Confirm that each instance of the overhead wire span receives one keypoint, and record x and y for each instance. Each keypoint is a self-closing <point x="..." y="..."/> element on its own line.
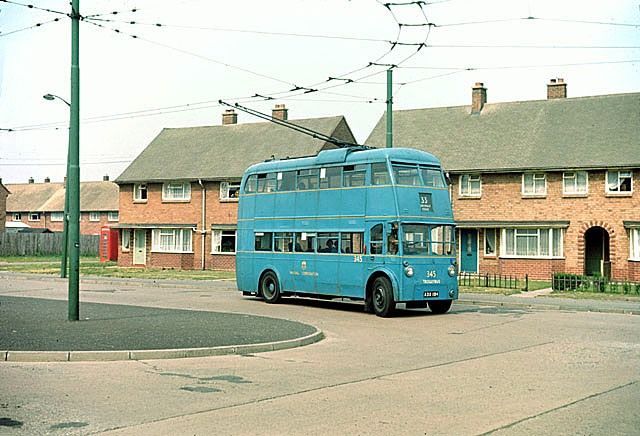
<point x="234" y="30"/>
<point x="190" y="53"/>
<point x="28" y="27"/>
<point x="30" y="6"/>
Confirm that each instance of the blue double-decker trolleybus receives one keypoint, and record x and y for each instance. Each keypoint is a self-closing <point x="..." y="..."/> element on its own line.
<point x="365" y="224"/>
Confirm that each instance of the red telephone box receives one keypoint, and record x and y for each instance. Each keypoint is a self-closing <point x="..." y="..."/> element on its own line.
<point x="108" y="244"/>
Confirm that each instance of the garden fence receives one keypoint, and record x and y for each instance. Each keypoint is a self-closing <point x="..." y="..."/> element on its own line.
<point x="43" y="244"/>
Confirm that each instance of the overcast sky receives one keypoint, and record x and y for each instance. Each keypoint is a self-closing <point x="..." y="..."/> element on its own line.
<point x="173" y="75"/>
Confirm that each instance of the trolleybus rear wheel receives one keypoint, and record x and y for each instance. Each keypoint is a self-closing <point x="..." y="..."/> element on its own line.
<point x="269" y="287"/>
<point x="439" y="306"/>
<point x="382" y="297"/>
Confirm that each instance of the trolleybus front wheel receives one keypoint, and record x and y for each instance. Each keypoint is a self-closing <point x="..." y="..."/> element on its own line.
<point x="382" y="297"/>
<point x="269" y="287"/>
<point x="439" y="306"/>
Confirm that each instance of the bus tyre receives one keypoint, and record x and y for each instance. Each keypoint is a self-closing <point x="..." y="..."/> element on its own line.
<point x="269" y="287"/>
<point x="439" y="306"/>
<point x="382" y="297"/>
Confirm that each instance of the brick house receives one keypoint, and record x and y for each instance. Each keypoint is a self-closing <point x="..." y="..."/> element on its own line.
<point x="4" y="192"/>
<point x="179" y="197"/>
<point x="41" y="205"/>
<point x="537" y="186"/>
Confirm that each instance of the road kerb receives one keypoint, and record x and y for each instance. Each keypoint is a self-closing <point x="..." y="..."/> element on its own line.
<point x="175" y="353"/>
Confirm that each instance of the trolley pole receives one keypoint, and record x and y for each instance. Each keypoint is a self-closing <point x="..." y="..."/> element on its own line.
<point x="389" y="108"/>
<point x="73" y="179"/>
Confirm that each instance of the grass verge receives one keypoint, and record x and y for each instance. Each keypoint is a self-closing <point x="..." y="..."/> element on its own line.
<point x="93" y="267"/>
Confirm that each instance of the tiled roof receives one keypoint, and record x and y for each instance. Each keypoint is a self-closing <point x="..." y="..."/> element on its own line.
<point x="568" y="133"/>
<point x="49" y="197"/>
<point x="224" y="152"/>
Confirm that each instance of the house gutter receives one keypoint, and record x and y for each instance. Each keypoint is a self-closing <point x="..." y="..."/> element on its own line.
<point x="203" y="231"/>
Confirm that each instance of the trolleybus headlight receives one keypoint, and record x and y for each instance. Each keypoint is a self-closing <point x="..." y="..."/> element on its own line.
<point x="451" y="270"/>
<point x="408" y="271"/>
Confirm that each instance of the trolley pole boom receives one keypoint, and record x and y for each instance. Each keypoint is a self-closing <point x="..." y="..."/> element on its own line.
<point x="304" y="130"/>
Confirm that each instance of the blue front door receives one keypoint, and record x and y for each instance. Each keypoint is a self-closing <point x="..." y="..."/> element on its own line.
<point x="468" y="250"/>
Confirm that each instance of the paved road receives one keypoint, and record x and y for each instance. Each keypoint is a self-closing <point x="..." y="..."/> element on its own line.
<point x="480" y="369"/>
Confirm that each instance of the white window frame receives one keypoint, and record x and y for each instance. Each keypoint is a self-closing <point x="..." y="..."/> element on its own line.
<point x="94" y="216"/>
<point x="536" y="233"/>
<point x="634" y="244"/>
<point x="176" y="191"/>
<point x="57" y="216"/>
<point x="466" y="182"/>
<point x="126" y="240"/>
<point x="138" y="189"/>
<point x="216" y="241"/>
<point x="17" y="216"/>
<point x="570" y="182"/>
<point x="536" y="178"/>
<point x="113" y="216"/>
<point x="494" y="240"/>
<point x="172" y="240"/>
<point x="32" y="214"/>
<point x="620" y="174"/>
<point x="226" y="187"/>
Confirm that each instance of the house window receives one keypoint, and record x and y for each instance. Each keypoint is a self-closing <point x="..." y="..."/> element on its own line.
<point x="619" y="182"/>
<point x="534" y="184"/>
<point x="126" y="239"/>
<point x="223" y="241"/>
<point x="140" y="192"/>
<point x="634" y="243"/>
<point x="176" y="191"/>
<point x="34" y="216"/>
<point x="113" y="216"/>
<point x="94" y="216"/>
<point x="171" y="240"/>
<point x="229" y="191"/>
<point x="57" y="216"/>
<point x="490" y="242"/>
<point x="17" y="216"/>
<point x="470" y="185"/>
<point x="542" y="243"/>
<point x="575" y="183"/>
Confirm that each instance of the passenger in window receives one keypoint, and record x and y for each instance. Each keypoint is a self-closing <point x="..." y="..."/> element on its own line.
<point x="331" y="247"/>
<point x="392" y="240"/>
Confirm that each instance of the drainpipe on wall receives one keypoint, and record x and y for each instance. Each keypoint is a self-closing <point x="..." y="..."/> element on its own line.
<point x="203" y="231"/>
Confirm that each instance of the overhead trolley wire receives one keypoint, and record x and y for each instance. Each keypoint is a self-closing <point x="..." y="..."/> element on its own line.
<point x="28" y="27"/>
<point x="30" y="6"/>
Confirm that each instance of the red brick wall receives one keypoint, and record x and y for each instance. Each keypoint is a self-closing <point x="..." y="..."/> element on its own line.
<point x="87" y="227"/>
<point x="502" y="201"/>
<point x="157" y="211"/>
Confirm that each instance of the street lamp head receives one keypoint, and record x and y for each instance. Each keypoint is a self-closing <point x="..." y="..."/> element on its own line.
<point x="51" y="97"/>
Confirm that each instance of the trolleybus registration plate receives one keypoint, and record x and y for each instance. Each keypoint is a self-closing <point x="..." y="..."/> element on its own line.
<point x="428" y="294"/>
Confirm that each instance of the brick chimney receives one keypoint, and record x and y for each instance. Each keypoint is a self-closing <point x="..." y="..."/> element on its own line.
<point x="280" y="112"/>
<point x="229" y="116"/>
<point x="31" y="181"/>
<point x="105" y="178"/>
<point x="556" y="88"/>
<point x="47" y="180"/>
<point x="478" y="97"/>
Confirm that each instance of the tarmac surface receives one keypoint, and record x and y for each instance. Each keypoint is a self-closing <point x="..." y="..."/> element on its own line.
<point x="35" y="329"/>
<point x="501" y="365"/>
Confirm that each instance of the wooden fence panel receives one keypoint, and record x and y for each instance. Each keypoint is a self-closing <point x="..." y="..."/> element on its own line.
<point x="43" y="244"/>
